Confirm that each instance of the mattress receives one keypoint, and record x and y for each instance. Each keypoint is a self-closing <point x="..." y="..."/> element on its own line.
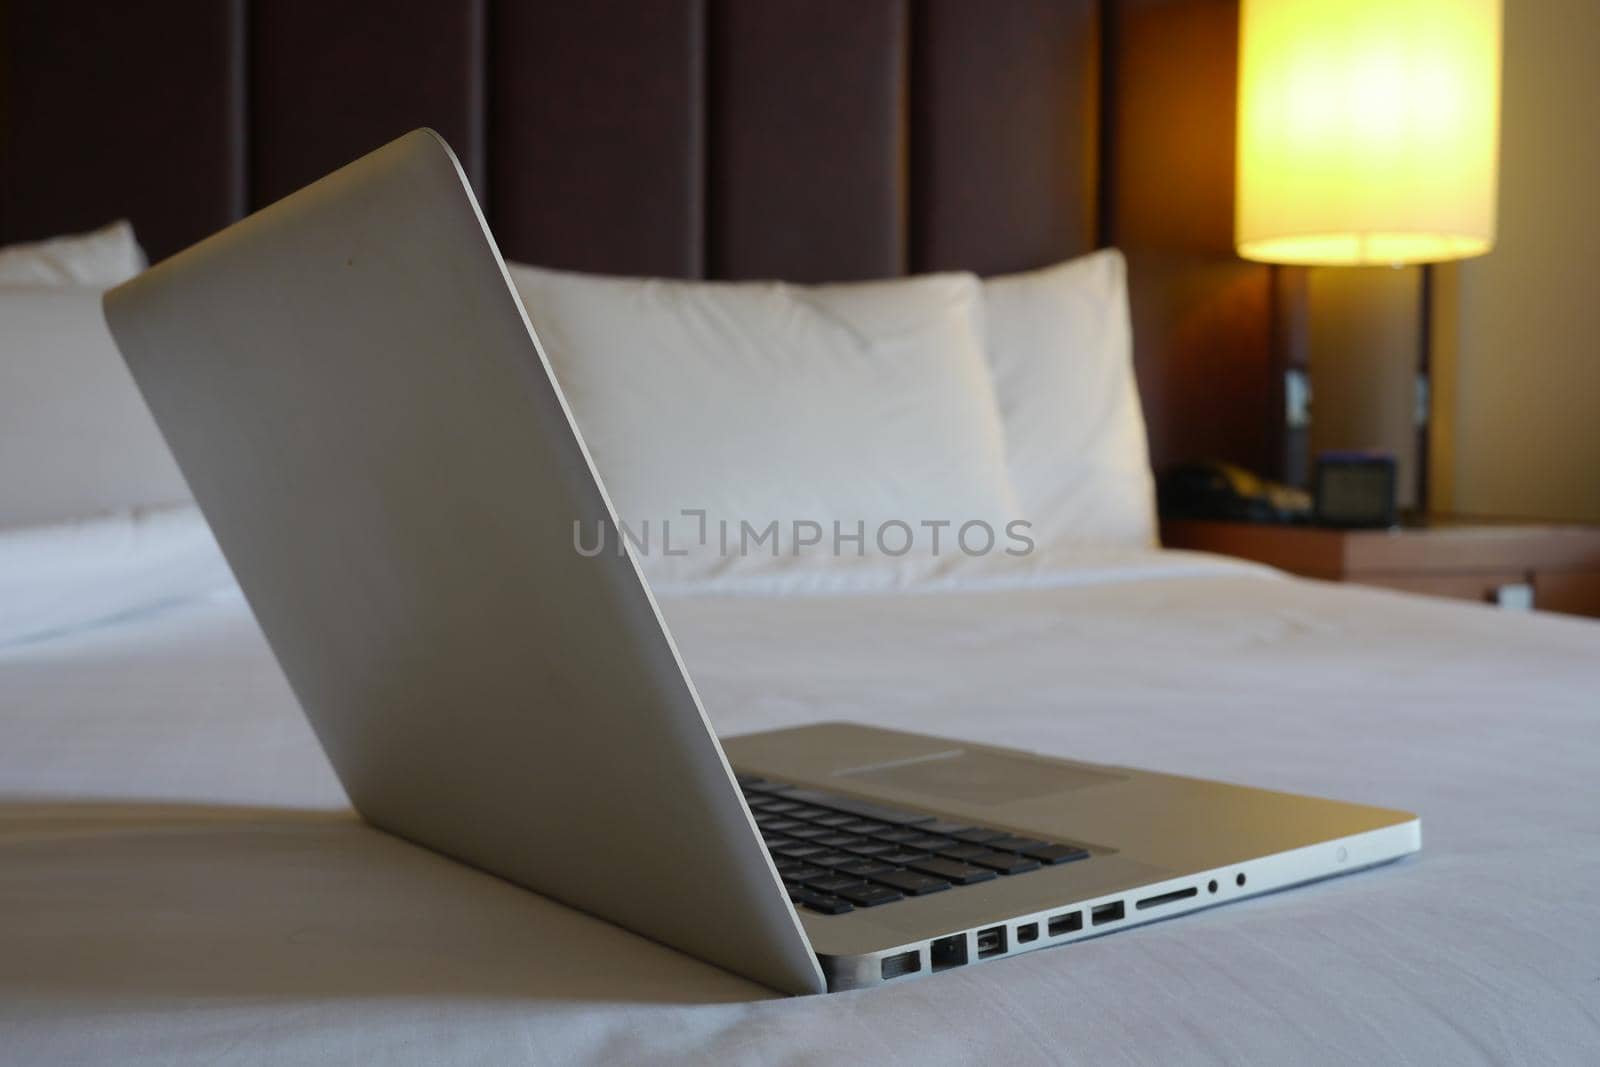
<point x="181" y="876"/>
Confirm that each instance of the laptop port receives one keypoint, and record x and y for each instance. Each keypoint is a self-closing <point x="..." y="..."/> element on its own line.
<point x="1166" y="898"/>
<point x="903" y="963"/>
<point x="1071" y="922"/>
<point x="1027" y="932"/>
<point x="1107" y="913"/>
<point x="948" y="952"/>
<point x="991" y="942"/>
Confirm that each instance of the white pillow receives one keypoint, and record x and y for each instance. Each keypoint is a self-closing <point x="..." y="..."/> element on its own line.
<point x="75" y="435"/>
<point x="863" y="405"/>
<point x="1061" y="349"/>
<point x="104" y="257"/>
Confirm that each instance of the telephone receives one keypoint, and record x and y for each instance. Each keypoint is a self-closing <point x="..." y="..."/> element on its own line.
<point x="1216" y="490"/>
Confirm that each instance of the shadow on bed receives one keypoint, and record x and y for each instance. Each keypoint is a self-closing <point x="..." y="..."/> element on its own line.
<point x="160" y="900"/>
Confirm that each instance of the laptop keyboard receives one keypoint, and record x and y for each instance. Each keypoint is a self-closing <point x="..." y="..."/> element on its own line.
<point x="836" y="853"/>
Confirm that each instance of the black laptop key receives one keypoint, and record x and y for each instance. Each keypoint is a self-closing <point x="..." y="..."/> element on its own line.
<point x="962" y="851"/>
<point x="977" y="836"/>
<point x="869" y="896"/>
<point x="804" y="831"/>
<point x="756" y="785"/>
<point x="808" y="812"/>
<point x="953" y="871"/>
<point x="872" y="848"/>
<point x="832" y="883"/>
<point x="777" y="807"/>
<point x="898" y="834"/>
<point x="902" y="858"/>
<point x="911" y="883"/>
<point x="1053" y="854"/>
<point x="776" y="823"/>
<point x="796" y="871"/>
<point x="833" y="819"/>
<point x="865" y="809"/>
<point x="823" y="902"/>
<point x="797" y="850"/>
<point x="864" y="826"/>
<point x="832" y="859"/>
<point x="1014" y="844"/>
<point x="947" y="829"/>
<point x="928" y="843"/>
<point x="1004" y="862"/>
<point x="838" y="840"/>
<point x="863" y="867"/>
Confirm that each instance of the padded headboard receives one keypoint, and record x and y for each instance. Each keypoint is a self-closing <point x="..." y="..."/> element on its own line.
<point x="804" y="139"/>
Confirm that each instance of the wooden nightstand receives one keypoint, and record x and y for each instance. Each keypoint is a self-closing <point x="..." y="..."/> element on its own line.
<point x="1547" y="566"/>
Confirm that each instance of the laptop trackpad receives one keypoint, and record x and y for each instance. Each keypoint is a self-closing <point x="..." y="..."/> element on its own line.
<point x="986" y="779"/>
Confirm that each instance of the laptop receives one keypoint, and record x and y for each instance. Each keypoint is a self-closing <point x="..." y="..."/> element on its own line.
<point x="360" y="405"/>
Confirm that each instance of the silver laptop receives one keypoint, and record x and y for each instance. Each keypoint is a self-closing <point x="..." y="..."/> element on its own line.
<point x="360" y="405"/>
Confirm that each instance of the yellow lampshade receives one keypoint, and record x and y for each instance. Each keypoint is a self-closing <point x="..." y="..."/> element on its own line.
<point x="1368" y="130"/>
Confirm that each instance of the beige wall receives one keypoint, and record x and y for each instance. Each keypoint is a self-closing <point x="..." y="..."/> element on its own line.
<point x="1517" y="375"/>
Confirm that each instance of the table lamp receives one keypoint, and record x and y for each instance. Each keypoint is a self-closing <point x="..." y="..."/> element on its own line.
<point x="1368" y="133"/>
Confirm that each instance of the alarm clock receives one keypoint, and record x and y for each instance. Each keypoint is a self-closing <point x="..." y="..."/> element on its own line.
<point x="1355" y="489"/>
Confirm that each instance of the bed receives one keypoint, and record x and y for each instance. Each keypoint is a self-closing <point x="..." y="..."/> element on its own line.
<point x="181" y="878"/>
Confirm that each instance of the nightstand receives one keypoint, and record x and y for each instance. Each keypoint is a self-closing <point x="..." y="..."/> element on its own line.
<point x="1516" y="564"/>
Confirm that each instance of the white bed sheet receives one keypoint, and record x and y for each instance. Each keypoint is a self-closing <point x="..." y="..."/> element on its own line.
<point x="181" y="879"/>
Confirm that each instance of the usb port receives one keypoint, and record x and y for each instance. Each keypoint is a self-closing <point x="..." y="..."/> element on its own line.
<point x="991" y="942"/>
<point x="903" y="963"/>
<point x="1106" y="913"/>
<point x="948" y="952"/>
<point x="1071" y="922"/>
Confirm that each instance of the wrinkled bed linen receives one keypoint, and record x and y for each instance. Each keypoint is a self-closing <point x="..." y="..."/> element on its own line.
<point x="181" y="877"/>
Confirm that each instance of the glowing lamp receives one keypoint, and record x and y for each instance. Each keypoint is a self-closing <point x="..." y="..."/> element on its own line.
<point x="1368" y="130"/>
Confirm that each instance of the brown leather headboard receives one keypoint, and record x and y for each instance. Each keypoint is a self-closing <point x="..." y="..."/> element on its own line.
<point x="805" y="139"/>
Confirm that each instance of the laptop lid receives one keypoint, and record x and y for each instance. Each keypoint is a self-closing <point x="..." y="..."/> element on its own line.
<point x="358" y="402"/>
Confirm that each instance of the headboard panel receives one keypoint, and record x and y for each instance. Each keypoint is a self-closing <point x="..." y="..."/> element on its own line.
<point x="325" y="78"/>
<point x="808" y="139"/>
<point x="598" y="134"/>
<point x="111" y="110"/>
<point x="1005" y="134"/>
